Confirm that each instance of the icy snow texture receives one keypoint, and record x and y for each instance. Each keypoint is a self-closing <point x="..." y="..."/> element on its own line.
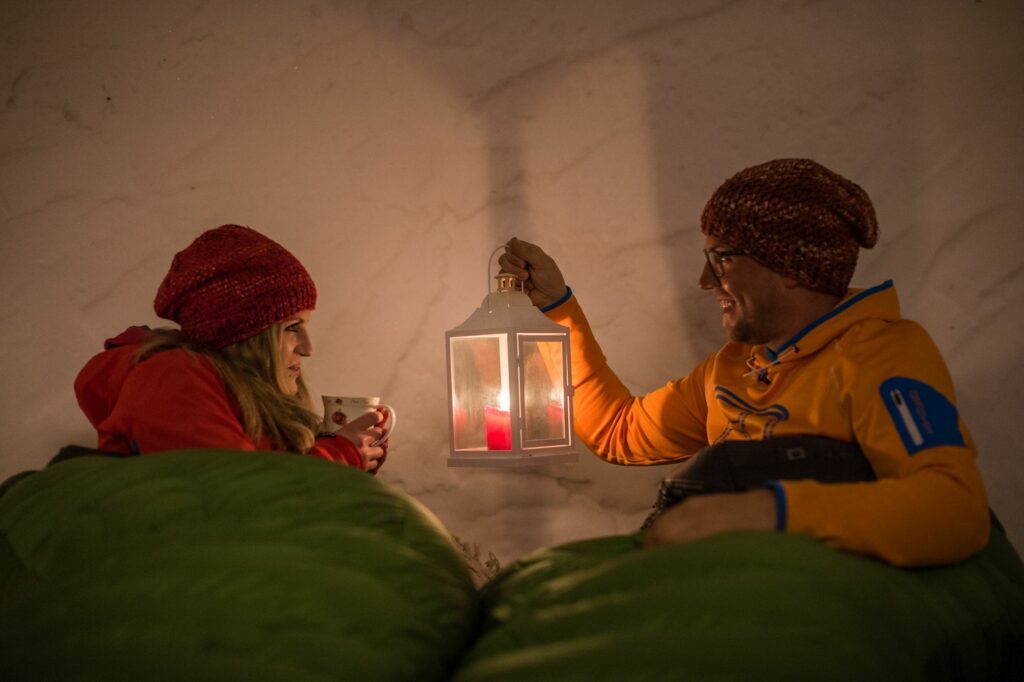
<point x="392" y="145"/>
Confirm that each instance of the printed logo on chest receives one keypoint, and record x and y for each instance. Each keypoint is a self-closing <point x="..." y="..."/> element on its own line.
<point x="746" y="420"/>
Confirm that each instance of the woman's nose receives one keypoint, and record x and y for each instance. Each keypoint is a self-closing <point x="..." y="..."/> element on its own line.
<point x="305" y="347"/>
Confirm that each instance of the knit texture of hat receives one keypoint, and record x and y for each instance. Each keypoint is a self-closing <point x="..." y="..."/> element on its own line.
<point x="797" y="218"/>
<point x="232" y="283"/>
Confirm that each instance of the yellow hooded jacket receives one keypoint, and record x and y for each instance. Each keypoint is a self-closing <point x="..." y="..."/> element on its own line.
<point x="858" y="374"/>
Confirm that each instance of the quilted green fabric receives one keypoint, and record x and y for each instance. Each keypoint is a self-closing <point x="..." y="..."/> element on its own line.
<point x="748" y="606"/>
<point x="215" y="565"/>
<point x="219" y="565"/>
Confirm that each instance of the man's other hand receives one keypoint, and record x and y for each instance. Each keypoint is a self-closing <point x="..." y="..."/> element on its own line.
<point x="703" y="515"/>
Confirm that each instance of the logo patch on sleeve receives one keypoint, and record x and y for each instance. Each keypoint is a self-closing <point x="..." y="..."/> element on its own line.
<point x="923" y="417"/>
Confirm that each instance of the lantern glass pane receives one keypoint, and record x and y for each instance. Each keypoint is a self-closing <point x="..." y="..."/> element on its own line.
<point x="542" y="360"/>
<point x="480" y="393"/>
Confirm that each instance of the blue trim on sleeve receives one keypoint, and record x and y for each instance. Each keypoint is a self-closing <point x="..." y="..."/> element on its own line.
<point x="781" y="507"/>
<point x="887" y="284"/>
<point x="565" y="297"/>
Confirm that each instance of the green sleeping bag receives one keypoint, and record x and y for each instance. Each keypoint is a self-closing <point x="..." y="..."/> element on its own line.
<point x="221" y="565"/>
<point x="748" y="606"/>
<point x="217" y="565"/>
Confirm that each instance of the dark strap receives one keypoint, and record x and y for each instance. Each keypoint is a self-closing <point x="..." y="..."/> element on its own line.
<point x="72" y="451"/>
<point x="734" y="466"/>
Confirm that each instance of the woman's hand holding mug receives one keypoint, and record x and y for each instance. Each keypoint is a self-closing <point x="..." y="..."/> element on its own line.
<point x="364" y="422"/>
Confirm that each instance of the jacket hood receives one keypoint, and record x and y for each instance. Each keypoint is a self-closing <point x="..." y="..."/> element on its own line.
<point x="99" y="384"/>
<point x="878" y="303"/>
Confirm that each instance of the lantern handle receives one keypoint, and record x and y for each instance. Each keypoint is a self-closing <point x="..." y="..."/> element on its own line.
<point x="489" y="261"/>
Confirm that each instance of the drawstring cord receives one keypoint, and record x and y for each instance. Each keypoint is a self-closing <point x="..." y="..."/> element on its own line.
<point x="762" y="372"/>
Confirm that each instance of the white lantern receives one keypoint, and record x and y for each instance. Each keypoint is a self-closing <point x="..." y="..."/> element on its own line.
<point x="509" y="385"/>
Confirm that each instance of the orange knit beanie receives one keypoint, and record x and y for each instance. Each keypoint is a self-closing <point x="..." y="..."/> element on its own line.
<point x="797" y="218"/>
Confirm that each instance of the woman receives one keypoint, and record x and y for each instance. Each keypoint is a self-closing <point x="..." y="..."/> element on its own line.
<point x="231" y="376"/>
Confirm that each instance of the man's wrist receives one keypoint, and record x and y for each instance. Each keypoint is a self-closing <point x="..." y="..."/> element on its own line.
<point x="565" y="297"/>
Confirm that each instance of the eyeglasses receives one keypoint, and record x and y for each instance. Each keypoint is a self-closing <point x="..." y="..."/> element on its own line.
<point x="716" y="260"/>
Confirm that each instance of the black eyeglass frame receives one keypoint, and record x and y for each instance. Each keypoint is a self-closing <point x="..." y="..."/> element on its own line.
<point x="715" y="261"/>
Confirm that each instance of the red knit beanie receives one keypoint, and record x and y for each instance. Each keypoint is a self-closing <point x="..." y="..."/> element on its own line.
<point x="232" y="283"/>
<point x="797" y="218"/>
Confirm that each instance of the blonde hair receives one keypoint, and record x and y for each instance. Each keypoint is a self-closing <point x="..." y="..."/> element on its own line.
<point x="252" y="372"/>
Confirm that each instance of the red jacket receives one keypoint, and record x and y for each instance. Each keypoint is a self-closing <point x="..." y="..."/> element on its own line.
<point x="173" y="400"/>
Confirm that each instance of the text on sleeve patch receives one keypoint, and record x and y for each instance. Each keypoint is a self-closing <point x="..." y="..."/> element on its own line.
<point x="923" y="417"/>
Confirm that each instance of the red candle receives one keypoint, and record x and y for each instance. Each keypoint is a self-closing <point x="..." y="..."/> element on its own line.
<point x="499" y="428"/>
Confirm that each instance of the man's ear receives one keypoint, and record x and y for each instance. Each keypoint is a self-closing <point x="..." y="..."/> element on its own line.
<point x="790" y="283"/>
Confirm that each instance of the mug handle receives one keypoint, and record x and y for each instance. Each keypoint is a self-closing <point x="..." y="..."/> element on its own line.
<point x="388" y="425"/>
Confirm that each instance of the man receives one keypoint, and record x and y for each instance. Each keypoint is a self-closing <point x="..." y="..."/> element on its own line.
<point x="805" y="355"/>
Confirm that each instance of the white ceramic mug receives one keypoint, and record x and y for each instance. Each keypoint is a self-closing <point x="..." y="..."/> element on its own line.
<point x="340" y="410"/>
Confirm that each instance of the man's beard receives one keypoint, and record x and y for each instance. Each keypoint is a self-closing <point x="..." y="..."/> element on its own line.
<point x="745" y="332"/>
<point x="752" y="332"/>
